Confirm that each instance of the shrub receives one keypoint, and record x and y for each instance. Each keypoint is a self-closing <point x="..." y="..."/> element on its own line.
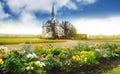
<point x="43" y="60"/>
<point x="85" y="57"/>
<point x="51" y="63"/>
<point x="56" y="51"/>
<point x="13" y="65"/>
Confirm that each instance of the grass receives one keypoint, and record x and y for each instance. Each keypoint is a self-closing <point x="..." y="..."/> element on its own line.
<point x="26" y="40"/>
<point x="114" y="71"/>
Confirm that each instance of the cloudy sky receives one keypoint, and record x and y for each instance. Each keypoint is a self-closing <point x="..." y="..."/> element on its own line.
<point x="88" y="16"/>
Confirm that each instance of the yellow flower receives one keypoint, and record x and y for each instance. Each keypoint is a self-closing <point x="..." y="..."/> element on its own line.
<point x="39" y="46"/>
<point x="73" y="57"/>
<point x="1" y="61"/>
<point x="83" y="52"/>
<point x="76" y="57"/>
<point x="85" y="59"/>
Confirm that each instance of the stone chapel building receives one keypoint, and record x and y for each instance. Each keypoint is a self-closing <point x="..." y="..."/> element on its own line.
<point x="53" y="28"/>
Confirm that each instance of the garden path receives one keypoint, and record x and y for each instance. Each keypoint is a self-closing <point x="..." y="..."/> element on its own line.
<point x="68" y="43"/>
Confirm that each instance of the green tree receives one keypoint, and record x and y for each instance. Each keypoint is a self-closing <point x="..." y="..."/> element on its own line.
<point x="72" y="33"/>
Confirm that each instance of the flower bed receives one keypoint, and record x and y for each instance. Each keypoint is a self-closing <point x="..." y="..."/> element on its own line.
<point x="51" y="60"/>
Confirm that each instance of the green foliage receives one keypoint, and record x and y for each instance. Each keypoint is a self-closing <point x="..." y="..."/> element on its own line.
<point x="86" y="48"/>
<point x="40" y="60"/>
<point x="117" y="50"/>
<point x="40" y="52"/>
<point x="81" y="47"/>
<point x="72" y="51"/>
<point x="110" y="47"/>
<point x="62" y="56"/>
<point x="51" y="63"/>
<point x="56" y="51"/>
<point x="72" y="33"/>
<point x="35" y="67"/>
<point x="108" y="54"/>
<point x="27" y="48"/>
<point x="13" y="63"/>
<point x="14" y="53"/>
<point x="27" y="63"/>
<point x="98" y="53"/>
<point x="81" y="36"/>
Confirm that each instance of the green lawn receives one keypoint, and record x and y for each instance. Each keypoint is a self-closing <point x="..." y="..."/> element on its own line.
<point x="114" y="71"/>
<point x="26" y="40"/>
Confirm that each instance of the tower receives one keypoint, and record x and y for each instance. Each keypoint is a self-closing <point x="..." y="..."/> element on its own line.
<point x="53" y="12"/>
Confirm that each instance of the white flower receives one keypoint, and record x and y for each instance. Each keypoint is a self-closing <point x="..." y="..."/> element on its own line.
<point x="29" y="55"/>
<point x="31" y="68"/>
<point x="42" y="64"/>
<point x="98" y="50"/>
<point x="4" y="48"/>
<point x="28" y="68"/>
<point x="33" y="55"/>
<point x="37" y="62"/>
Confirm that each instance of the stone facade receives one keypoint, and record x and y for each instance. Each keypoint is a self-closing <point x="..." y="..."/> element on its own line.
<point x="49" y="26"/>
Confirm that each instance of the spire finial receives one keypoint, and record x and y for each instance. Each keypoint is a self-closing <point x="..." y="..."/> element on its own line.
<point x="53" y="13"/>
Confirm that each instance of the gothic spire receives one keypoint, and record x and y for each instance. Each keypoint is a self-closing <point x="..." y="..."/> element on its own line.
<point x="53" y="13"/>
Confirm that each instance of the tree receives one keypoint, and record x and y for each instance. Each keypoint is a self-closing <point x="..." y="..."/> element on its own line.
<point x="70" y="31"/>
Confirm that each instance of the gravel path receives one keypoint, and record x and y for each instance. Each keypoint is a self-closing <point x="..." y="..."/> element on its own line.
<point x="68" y="43"/>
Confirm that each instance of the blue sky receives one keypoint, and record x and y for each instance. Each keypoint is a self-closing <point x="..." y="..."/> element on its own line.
<point x="88" y="16"/>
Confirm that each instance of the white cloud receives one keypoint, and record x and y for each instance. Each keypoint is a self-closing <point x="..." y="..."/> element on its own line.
<point x="2" y="13"/>
<point x="87" y="1"/>
<point x="106" y="26"/>
<point x="27" y="24"/>
<point x="20" y="28"/>
<point x="17" y="28"/>
<point x="38" y="5"/>
<point x="71" y="5"/>
<point x="43" y="5"/>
